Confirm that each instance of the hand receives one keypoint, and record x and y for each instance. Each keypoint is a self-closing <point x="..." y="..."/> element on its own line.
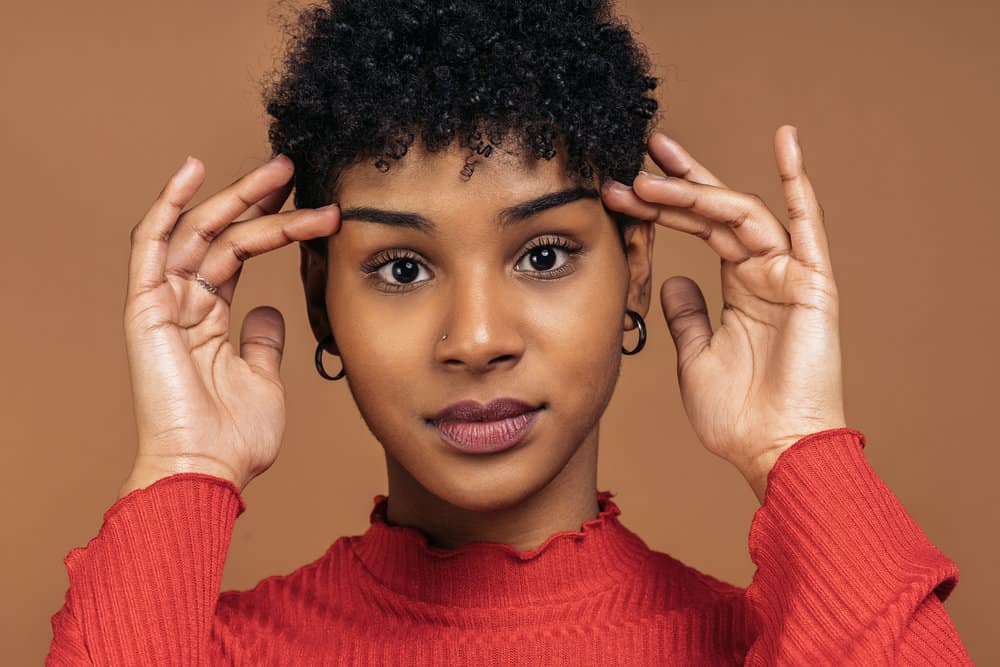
<point x="771" y="373"/>
<point x="200" y="406"/>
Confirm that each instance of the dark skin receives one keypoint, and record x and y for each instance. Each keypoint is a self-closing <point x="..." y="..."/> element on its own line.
<point x="769" y="375"/>
<point x="512" y="330"/>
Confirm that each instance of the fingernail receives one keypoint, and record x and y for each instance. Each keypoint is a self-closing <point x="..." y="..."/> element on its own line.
<point x="328" y="207"/>
<point x="655" y="177"/>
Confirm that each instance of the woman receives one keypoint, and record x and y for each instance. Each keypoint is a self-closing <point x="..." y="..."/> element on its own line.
<point x="475" y="241"/>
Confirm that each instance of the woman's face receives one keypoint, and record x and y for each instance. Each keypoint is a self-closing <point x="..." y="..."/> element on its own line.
<point x="531" y="300"/>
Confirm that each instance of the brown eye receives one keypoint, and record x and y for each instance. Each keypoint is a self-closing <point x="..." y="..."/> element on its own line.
<point x="405" y="270"/>
<point x="400" y="271"/>
<point x="395" y="270"/>
<point x="542" y="259"/>
<point x="545" y="258"/>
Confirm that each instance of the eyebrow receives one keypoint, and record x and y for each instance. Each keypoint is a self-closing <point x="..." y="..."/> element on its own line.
<point x="507" y="217"/>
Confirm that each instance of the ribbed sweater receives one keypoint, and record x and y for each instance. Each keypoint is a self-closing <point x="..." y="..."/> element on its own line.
<point x="844" y="576"/>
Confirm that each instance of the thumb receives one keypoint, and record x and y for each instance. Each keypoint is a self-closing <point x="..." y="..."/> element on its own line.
<point x="687" y="317"/>
<point x="262" y="341"/>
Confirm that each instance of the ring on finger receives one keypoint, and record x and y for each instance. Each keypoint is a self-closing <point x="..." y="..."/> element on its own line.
<point x="204" y="283"/>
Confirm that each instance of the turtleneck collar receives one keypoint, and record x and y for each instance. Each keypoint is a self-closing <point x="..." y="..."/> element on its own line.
<point x="568" y="565"/>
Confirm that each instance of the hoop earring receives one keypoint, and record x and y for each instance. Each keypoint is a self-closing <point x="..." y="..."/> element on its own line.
<point x="641" y="323"/>
<point x="319" y="360"/>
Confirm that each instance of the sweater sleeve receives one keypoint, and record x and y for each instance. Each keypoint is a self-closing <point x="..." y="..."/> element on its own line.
<point x="143" y="592"/>
<point x="844" y="574"/>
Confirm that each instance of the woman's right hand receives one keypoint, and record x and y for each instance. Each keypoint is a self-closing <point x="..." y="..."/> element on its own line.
<point x="201" y="405"/>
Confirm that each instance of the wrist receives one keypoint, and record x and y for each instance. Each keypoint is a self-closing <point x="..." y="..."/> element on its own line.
<point x="145" y="473"/>
<point x="759" y="468"/>
<point x="757" y="471"/>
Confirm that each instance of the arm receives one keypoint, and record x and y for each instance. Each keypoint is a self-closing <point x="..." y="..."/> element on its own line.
<point x="143" y="592"/>
<point x="844" y="574"/>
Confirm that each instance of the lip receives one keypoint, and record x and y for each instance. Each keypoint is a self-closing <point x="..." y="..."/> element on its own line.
<point x="472" y="427"/>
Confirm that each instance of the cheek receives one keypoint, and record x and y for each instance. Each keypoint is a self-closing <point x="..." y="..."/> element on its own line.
<point x="385" y="349"/>
<point x="571" y="330"/>
<point x="578" y="341"/>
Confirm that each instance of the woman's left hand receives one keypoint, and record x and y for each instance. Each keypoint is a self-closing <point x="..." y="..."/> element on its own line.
<point x="771" y="373"/>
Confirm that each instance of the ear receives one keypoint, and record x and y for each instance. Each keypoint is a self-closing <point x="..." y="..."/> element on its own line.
<point x="639" y="239"/>
<point x="312" y="269"/>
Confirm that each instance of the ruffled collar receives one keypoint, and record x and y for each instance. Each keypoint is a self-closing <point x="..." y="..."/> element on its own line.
<point x="568" y="565"/>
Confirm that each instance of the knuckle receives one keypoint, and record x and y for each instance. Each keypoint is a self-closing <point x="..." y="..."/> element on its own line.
<point x="741" y="217"/>
<point x="797" y="212"/>
<point x="787" y="176"/>
<point x="206" y="234"/>
<point x="137" y="233"/>
<point x="172" y="200"/>
<point x="238" y="187"/>
<point x="181" y="272"/>
<point x="237" y="248"/>
<point x="755" y="201"/>
<point x="704" y="232"/>
<point x="243" y="198"/>
<point x="800" y="208"/>
<point x="687" y="311"/>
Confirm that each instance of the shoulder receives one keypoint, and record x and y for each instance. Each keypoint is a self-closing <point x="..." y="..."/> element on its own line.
<point x="682" y="601"/>
<point x="690" y="587"/>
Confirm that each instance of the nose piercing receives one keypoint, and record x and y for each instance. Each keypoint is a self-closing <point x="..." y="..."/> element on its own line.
<point x="444" y="337"/>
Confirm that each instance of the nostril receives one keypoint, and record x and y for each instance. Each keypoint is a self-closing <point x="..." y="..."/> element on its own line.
<point x="503" y="357"/>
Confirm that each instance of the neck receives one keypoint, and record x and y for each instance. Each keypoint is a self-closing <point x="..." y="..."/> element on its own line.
<point x="565" y="503"/>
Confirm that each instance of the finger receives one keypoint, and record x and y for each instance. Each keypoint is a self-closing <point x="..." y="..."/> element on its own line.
<point x="238" y="243"/>
<point x="262" y="341"/>
<point x="203" y="223"/>
<point x="272" y="203"/>
<point x="671" y="157"/>
<point x="268" y="205"/>
<point x="228" y="288"/>
<point x="809" y="242"/>
<point x="619" y="197"/>
<point x="746" y="215"/>
<point x="687" y="318"/>
<point x="147" y="258"/>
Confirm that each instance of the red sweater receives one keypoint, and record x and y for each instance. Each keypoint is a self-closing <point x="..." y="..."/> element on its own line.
<point x="844" y="576"/>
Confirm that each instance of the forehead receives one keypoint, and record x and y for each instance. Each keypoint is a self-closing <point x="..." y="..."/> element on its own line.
<point x="423" y="180"/>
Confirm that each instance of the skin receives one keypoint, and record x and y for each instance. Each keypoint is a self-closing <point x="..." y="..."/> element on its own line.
<point x="767" y="376"/>
<point x="512" y="331"/>
<point x="772" y="372"/>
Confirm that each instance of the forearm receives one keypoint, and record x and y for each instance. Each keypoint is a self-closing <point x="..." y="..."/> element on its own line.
<point x="844" y="573"/>
<point x="144" y="590"/>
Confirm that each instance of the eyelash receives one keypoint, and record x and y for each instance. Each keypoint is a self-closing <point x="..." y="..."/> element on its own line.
<point x="381" y="259"/>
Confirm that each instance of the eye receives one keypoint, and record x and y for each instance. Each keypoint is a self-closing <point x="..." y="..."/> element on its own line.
<point x="549" y="257"/>
<point x="395" y="270"/>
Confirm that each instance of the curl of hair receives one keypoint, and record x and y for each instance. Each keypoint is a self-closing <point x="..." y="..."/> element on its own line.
<point x="362" y="79"/>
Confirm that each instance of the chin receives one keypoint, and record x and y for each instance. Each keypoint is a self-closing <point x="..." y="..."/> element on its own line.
<point x="488" y="494"/>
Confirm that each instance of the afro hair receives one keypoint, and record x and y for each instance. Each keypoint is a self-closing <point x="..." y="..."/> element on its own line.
<point x="363" y="79"/>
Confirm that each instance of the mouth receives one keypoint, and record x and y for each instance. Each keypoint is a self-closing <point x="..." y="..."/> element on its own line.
<point x="475" y="428"/>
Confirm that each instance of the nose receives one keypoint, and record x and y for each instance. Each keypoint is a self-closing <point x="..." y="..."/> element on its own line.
<point x="482" y="327"/>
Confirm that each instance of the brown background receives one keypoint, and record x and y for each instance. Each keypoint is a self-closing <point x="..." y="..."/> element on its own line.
<point x="897" y="105"/>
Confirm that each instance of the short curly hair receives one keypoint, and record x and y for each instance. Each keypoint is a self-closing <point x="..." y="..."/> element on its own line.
<point x="362" y="79"/>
